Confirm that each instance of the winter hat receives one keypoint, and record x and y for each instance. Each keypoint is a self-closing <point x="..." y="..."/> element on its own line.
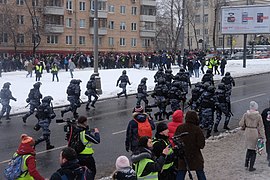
<point x="25" y="139"/>
<point x="122" y="162"/>
<point x="161" y="127"/>
<point x="138" y="108"/>
<point x="253" y="105"/>
<point x="143" y="141"/>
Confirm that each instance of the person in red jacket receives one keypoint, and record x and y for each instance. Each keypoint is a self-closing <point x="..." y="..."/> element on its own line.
<point x="177" y="119"/>
<point x="26" y="149"/>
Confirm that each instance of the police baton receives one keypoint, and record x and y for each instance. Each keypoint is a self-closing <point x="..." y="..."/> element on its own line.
<point x="27" y="105"/>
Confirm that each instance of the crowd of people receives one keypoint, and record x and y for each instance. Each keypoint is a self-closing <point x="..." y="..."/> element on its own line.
<point x="174" y="149"/>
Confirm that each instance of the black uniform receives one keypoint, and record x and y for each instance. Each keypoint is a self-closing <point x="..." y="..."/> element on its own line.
<point x="6" y="95"/>
<point x="124" y="80"/>
<point x="45" y="114"/>
<point x="208" y="77"/>
<point x="33" y="99"/>
<point x="91" y="91"/>
<point x="228" y="81"/>
<point x="73" y="92"/>
<point x="159" y="74"/>
<point x="195" y="95"/>
<point x="142" y="92"/>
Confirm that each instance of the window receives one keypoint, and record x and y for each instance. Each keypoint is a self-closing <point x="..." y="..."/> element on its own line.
<point x="82" y="6"/>
<point x="20" y="38"/>
<point x="133" y="26"/>
<point x="205" y="18"/>
<point x="82" y="40"/>
<point x="20" y="2"/>
<point x="220" y="41"/>
<point x="134" y="10"/>
<point x="197" y="3"/>
<point x="122" y="9"/>
<point x="20" y="19"/>
<point x="219" y="26"/>
<point x="68" y="22"/>
<point x="146" y="42"/>
<point x="111" y="25"/>
<point x="4" y="38"/>
<point x="122" y="26"/>
<point x="197" y="31"/>
<point x="82" y="23"/>
<point x="68" y="39"/>
<point x="69" y="4"/>
<point x="197" y="18"/>
<point x="122" y="41"/>
<point x="101" y="5"/>
<point x="111" y="8"/>
<point x="205" y="31"/>
<point x="149" y="26"/>
<point x="34" y="2"/>
<point x="3" y="1"/>
<point x="111" y="41"/>
<point x="206" y="3"/>
<point x="133" y="42"/>
<point x="99" y="41"/>
<point x="52" y="39"/>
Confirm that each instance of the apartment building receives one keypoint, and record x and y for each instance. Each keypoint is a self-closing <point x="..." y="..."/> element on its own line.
<point x="67" y="26"/>
<point x="202" y="22"/>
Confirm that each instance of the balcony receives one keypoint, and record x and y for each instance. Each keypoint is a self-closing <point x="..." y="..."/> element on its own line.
<point x="101" y="31"/>
<point x="148" y="2"/>
<point x="148" y="18"/>
<point x="54" y="10"/>
<point x="101" y="14"/>
<point x="54" y="28"/>
<point x="147" y="33"/>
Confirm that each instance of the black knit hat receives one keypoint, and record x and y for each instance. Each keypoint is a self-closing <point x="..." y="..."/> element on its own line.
<point x="143" y="141"/>
<point x="161" y="127"/>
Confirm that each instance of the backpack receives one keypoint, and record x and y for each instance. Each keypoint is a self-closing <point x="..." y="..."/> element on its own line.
<point x="144" y="128"/>
<point x="74" y="140"/>
<point x="71" y="90"/>
<point x="14" y="168"/>
<point x="80" y="173"/>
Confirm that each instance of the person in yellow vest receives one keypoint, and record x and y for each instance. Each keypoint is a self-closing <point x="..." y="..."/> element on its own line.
<point x="28" y="153"/>
<point x="38" y="71"/>
<point x="160" y="142"/>
<point x="86" y="156"/>
<point x="54" y="72"/>
<point x="144" y="162"/>
<point x="211" y="63"/>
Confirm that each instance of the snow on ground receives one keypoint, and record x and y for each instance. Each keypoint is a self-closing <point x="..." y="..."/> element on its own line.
<point x="224" y="154"/>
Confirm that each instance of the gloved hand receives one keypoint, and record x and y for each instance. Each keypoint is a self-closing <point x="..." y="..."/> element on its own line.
<point x="15" y="99"/>
<point x="127" y="148"/>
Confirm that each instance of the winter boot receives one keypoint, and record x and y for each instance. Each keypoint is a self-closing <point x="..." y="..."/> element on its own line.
<point x="118" y="95"/>
<point x="7" y="117"/>
<point x="215" y="128"/>
<point x="226" y="125"/>
<point x="24" y="119"/>
<point x="62" y="113"/>
<point x="75" y="115"/>
<point x="126" y="96"/>
<point x="93" y="105"/>
<point x="87" y="106"/>
<point x="49" y="146"/>
<point x="252" y="160"/>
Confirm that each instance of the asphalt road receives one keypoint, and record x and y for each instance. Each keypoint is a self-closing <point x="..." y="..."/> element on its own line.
<point x="111" y="118"/>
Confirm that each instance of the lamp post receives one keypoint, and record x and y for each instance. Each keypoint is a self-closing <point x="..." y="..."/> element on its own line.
<point x="98" y="81"/>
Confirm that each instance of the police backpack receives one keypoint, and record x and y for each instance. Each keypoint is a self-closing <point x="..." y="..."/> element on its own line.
<point x="74" y="140"/>
<point x="71" y="90"/>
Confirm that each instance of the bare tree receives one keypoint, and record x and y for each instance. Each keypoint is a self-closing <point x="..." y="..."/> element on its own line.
<point x="32" y="6"/>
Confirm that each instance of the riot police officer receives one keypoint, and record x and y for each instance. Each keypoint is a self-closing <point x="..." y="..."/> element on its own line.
<point x="168" y="77"/>
<point x="124" y="80"/>
<point x="91" y="91"/>
<point x="184" y="78"/>
<point x="159" y="74"/>
<point x="73" y="92"/>
<point x="228" y="81"/>
<point x="45" y="114"/>
<point x="142" y="92"/>
<point x="208" y="77"/>
<point x="6" y="95"/>
<point x="195" y="95"/>
<point x="33" y="99"/>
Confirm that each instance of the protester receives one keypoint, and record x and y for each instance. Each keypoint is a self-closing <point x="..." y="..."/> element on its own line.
<point x="252" y="124"/>
<point x="123" y="170"/>
<point x="266" y="122"/>
<point x="177" y="119"/>
<point x="194" y="141"/>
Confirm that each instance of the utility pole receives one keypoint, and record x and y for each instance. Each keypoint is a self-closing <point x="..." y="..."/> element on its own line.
<point x="245" y="47"/>
<point x="203" y="30"/>
<point x="98" y="81"/>
<point x="182" y="39"/>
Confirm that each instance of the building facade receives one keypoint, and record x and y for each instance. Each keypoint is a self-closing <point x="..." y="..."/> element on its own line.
<point x="199" y="30"/>
<point x="67" y="26"/>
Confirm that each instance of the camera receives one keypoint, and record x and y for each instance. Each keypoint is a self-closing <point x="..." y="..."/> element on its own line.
<point x="70" y="124"/>
<point x="179" y="144"/>
<point x="148" y="110"/>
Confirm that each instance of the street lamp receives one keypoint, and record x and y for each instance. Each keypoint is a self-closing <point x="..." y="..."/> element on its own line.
<point x="98" y="81"/>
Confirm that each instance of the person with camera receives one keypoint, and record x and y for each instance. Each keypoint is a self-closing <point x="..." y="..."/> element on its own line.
<point x="124" y="80"/>
<point x="70" y="167"/>
<point x="73" y="92"/>
<point x="33" y="100"/>
<point x="140" y="125"/>
<point x="189" y="153"/>
<point x="146" y="165"/>
<point x="45" y="114"/>
<point x="160" y="142"/>
<point x="86" y="156"/>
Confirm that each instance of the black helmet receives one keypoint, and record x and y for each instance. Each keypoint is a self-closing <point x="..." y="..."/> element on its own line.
<point x="6" y="85"/>
<point x="205" y="85"/>
<point x="161" y="80"/>
<point x="92" y="77"/>
<point x="160" y="69"/>
<point x="227" y="74"/>
<point x="168" y="71"/>
<point x="37" y="85"/>
<point x="124" y="72"/>
<point x="143" y="80"/>
<point x="221" y="86"/>
<point x="47" y="99"/>
<point x="182" y="70"/>
<point x="209" y="71"/>
<point x="198" y="84"/>
<point x="78" y="81"/>
<point x="73" y="81"/>
<point x="211" y="89"/>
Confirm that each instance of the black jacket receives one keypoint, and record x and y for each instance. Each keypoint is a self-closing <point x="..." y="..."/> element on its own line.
<point x="126" y="173"/>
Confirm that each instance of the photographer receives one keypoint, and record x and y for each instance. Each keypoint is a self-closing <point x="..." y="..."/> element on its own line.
<point x="193" y="143"/>
<point x="160" y="142"/>
<point x="86" y="156"/>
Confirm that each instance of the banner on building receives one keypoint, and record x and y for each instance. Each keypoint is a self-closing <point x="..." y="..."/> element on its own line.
<point x="245" y="19"/>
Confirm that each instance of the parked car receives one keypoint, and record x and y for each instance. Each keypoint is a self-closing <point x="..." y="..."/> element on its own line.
<point x="262" y="55"/>
<point x="240" y="55"/>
